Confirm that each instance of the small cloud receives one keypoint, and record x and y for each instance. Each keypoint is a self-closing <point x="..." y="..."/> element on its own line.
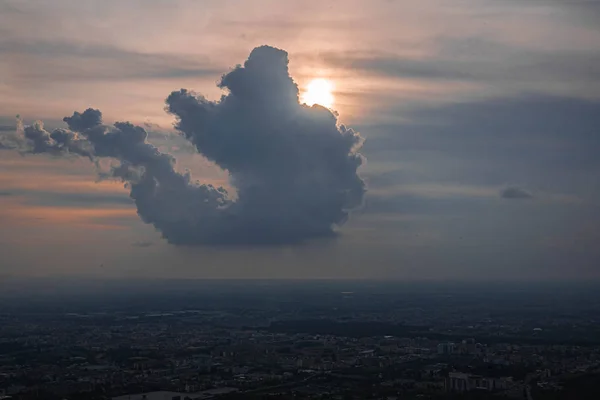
<point x="142" y="244"/>
<point x="5" y="193"/>
<point x="513" y="192"/>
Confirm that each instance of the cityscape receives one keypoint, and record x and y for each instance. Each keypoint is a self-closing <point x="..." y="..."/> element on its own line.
<point x="301" y="340"/>
<point x="299" y="200"/>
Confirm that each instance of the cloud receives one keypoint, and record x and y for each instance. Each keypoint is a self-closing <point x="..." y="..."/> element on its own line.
<point x="74" y="61"/>
<point x="11" y="136"/>
<point x="379" y="63"/>
<point x="455" y="158"/>
<point x="59" y="141"/>
<point x="480" y="61"/>
<point x="583" y="10"/>
<point x="496" y="141"/>
<point x="293" y="167"/>
<point x="513" y="192"/>
<point x="74" y="200"/>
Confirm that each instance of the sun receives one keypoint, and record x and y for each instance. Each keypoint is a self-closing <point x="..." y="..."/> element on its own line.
<point x="319" y="91"/>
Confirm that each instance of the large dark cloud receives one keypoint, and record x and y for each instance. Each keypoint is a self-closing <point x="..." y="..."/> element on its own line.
<point x="293" y="166"/>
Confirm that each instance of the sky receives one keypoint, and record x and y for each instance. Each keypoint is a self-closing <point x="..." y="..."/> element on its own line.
<point x="463" y="146"/>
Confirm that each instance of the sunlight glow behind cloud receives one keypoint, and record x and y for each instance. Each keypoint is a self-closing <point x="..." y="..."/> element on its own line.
<point x="319" y="91"/>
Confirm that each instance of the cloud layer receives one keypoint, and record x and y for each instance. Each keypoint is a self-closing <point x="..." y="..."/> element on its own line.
<point x="293" y="166"/>
<point x="513" y="192"/>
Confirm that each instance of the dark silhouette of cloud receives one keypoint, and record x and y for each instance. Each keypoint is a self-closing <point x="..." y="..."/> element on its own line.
<point x="293" y="166"/>
<point x="513" y="192"/>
